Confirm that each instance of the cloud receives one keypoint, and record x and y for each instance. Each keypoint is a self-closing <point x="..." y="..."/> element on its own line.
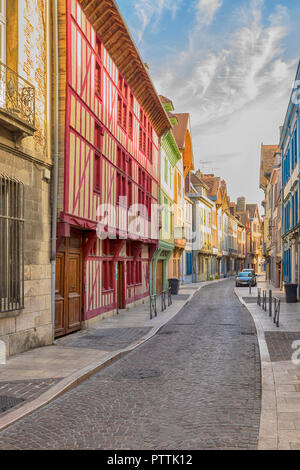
<point x="236" y="87"/>
<point x="206" y="10"/>
<point x="222" y="82"/>
<point x="150" y="12"/>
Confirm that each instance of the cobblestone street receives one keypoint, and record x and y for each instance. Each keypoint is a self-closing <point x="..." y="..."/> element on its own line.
<point x="195" y="385"/>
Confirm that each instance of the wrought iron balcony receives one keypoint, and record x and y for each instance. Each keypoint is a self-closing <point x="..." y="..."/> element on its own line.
<point x="17" y="102"/>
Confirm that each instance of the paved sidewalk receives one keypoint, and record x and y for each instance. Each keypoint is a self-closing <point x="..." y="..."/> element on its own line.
<point x="280" y="416"/>
<point x="34" y="378"/>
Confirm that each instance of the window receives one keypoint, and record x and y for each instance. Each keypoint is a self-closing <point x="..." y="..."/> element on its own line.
<point x="121" y="187"/>
<point x="97" y="173"/>
<point x="106" y="247"/>
<point x="98" y="47"/>
<point x="11" y="245"/>
<point x="107" y="275"/>
<point x="149" y="150"/>
<point x="130" y="125"/>
<point x="98" y="79"/>
<point x="125" y="90"/>
<point x="129" y="195"/>
<point x="121" y="160"/>
<point x="166" y="171"/>
<point x="124" y="117"/>
<point x="119" y="117"/>
<point x="138" y="272"/>
<point x="120" y="83"/>
<point x="98" y="134"/>
<point x="140" y="138"/>
<point x="129" y="167"/>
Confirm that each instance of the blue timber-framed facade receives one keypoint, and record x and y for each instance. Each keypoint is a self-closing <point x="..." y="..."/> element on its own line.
<point x="289" y="145"/>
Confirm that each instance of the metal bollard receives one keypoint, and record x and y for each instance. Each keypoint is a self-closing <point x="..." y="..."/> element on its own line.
<point x="276" y="311"/>
<point x="270" y="303"/>
<point x="153" y="309"/>
<point x="259" y="296"/>
<point x="264" y="303"/>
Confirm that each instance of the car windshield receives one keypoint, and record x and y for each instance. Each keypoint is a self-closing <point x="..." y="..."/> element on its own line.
<point x="244" y="274"/>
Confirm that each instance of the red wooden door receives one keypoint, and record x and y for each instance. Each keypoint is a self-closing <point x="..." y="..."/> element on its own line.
<point x="68" y="290"/>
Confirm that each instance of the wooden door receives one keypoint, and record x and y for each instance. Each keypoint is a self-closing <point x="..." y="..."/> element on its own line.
<point x="159" y="276"/>
<point x="68" y="290"/>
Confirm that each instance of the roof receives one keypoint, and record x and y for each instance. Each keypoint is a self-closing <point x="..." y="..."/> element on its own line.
<point x="213" y="182"/>
<point x="251" y="208"/>
<point x="243" y="217"/>
<point x="179" y="130"/>
<point x="196" y="181"/>
<point x="267" y="161"/>
<point x="109" y="23"/>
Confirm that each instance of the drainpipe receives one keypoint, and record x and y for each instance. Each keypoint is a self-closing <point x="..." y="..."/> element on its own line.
<point x="55" y="163"/>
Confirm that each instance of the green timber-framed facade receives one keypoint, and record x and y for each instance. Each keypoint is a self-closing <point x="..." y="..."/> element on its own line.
<point x="169" y="156"/>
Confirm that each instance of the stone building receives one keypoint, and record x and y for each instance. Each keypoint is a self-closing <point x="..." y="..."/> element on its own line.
<point x="25" y="169"/>
<point x="267" y="160"/>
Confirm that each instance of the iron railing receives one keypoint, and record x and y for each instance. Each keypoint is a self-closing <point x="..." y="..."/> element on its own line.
<point x="17" y="95"/>
<point x="11" y="244"/>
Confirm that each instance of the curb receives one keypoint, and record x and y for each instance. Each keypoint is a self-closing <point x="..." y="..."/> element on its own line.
<point x="81" y="375"/>
<point x="268" y="431"/>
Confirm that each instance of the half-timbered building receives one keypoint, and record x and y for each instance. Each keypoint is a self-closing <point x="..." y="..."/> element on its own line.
<point x="111" y="121"/>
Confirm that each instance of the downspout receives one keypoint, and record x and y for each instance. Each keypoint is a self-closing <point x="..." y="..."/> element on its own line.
<point x="55" y="163"/>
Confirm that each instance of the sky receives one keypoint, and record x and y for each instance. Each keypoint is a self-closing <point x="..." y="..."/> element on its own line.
<point x="231" y="64"/>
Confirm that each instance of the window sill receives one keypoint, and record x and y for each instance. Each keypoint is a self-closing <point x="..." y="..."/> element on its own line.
<point x="11" y="313"/>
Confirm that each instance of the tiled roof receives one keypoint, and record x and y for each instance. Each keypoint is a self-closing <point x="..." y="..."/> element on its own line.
<point x="213" y="183"/>
<point x="163" y="99"/>
<point x="196" y="181"/>
<point x="179" y="130"/>
<point x="267" y="160"/>
<point x="251" y="208"/>
<point x="243" y="217"/>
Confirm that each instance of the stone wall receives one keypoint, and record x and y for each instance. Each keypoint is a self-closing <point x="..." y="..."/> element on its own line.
<point x="31" y="327"/>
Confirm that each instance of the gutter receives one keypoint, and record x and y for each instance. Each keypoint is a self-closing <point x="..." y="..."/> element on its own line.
<point x="55" y="163"/>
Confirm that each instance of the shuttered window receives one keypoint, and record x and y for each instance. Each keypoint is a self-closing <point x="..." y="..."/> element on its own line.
<point x="11" y="244"/>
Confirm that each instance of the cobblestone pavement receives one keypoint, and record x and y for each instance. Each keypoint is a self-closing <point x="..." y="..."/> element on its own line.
<point x="109" y="339"/>
<point x="195" y="385"/>
<point x="22" y="391"/>
<point x="280" y="344"/>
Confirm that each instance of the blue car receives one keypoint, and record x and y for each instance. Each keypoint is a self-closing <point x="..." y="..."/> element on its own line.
<point x="243" y="278"/>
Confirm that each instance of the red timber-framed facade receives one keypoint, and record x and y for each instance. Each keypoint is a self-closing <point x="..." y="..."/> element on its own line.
<point x="109" y="150"/>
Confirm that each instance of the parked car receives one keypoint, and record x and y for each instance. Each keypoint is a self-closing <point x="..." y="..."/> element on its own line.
<point x="243" y="278"/>
<point x="249" y="271"/>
